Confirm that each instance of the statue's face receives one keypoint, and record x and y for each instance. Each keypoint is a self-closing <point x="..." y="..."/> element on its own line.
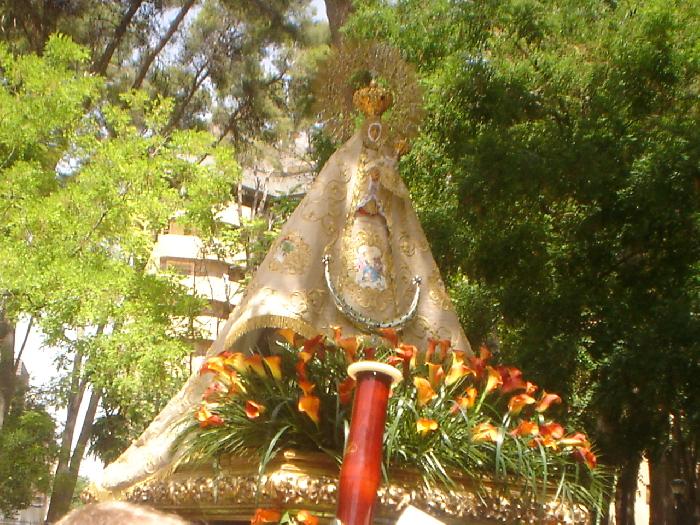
<point x="374" y="131"/>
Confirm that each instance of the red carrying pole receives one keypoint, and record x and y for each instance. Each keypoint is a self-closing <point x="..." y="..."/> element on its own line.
<point x="360" y="473"/>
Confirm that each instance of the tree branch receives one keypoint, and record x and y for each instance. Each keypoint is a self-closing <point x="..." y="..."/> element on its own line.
<point x="100" y="67"/>
<point x="146" y="65"/>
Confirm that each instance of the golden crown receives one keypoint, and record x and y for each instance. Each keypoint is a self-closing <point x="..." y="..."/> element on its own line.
<point x="372" y="100"/>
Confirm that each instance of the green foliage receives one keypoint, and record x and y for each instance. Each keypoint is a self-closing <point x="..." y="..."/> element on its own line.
<point x="27" y="452"/>
<point x="85" y="188"/>
<point x="558" y="170"/>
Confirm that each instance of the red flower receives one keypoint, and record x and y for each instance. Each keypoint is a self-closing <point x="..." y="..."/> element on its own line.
<point x="348" y="344"/>
<point x="444" y="345"/>
<point x="526" y="428"/>
<point x="253" y="409"/>
<point x="552" y="429"/>
<point x="313" y="344"/>
<point x="546" y="400"/>
<point x="345" y="390"/>
<point x="585" y="455"/>
<point x="390" y="335"/>
<point x="512" y="378"/>
<point x="478" y="364"/>
<point x="266" y="516"/>
<point x="206" y="418"/>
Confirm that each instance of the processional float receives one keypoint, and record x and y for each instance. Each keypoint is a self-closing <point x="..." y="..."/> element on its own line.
<point x="351" y="263"/>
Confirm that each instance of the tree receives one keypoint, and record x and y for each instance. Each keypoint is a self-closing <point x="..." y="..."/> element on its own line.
<point x="557" y="177"/>
<point x="84" y="194"/>
<point x="27" y="450"/>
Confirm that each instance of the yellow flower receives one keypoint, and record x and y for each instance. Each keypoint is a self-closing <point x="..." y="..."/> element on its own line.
<point x="517" y="402"/>
<point x="425" y="391"/>
<point x="274" y="364"/>
<point x="458" y="369"/>
<point x="310" y="405"/>
<point x="494" y="379"/>
<point x="484" y="432"/>
<point x="423" y="426"/>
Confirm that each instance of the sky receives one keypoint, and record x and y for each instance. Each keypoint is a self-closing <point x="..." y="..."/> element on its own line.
<point x="39" y="360"/>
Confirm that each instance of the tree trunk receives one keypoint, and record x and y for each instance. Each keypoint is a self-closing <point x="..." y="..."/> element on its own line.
<point x="8" y="377"/>
<point x="100" y="67"/>
<point x="63" y="488"/>
<point x="625" y="492"/>
<point x="337" y="12"/>
<point x="62" y="477"/>
<point x="661" y="502"/>
<point x="199" y="78"/>
<point x="146" y="65"/>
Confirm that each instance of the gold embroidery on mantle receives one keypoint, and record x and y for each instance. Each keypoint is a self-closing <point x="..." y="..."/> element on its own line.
<point x="437" y="292"/>
<point x="291" y="255"/>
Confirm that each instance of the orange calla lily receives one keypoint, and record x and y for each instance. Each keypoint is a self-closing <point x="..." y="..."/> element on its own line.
<point x="478" y="364"/>
<point x="517" y="402"/>
<point x="288" y="334"/>
<point x="425" y="391"/>
<point x="465" y="402"/>
<point x="390" y="335"/>
<point x="484" y="432"/>
<point x="206" y="418"/>
<point x="575" y="440"/>
<point x="444" y="345"/>
<point x="216" y="364"/>
<point x="255" y="363"/>
<point x="310" y="406"/>
<point x="424" y="426"/>
<point x="305" y="517"/>
<point x="526" y="428"/>
<point x="253" y="409"/>
<point x="266" y="516"/>
<point x="435" y="374"/>
<point x="512" y="379"/>
<point x="585" y="455"/>
<point x="432" y="343"/>
<point x="313" y="344"/>
<point x="236" y="360"/>
<point x="345" y="390"/>
<point x="530" y="388"/>
<point x="458" y="369"/>
<point x="494" y="379"/>
<point x="274" y="365"/>
<point x="306" y="386"/>
<point x="349" y="346"/>
<point x="546" y="400"/>
<point x="552" y="429"/>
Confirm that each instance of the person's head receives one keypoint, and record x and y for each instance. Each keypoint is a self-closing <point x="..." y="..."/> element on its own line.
<point x="119" y="513"/>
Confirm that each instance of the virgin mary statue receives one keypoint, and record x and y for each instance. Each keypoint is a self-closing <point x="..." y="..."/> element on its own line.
<point x="352" y="256"/>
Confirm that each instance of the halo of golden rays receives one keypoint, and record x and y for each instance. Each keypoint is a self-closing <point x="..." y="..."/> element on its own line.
<point x="353" y="65"/>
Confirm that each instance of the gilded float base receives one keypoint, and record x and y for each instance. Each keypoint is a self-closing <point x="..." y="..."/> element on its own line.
<point x="294" y="481"/>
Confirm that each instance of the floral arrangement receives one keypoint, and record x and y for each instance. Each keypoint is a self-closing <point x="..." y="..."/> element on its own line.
<point x="453" y="415"/>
